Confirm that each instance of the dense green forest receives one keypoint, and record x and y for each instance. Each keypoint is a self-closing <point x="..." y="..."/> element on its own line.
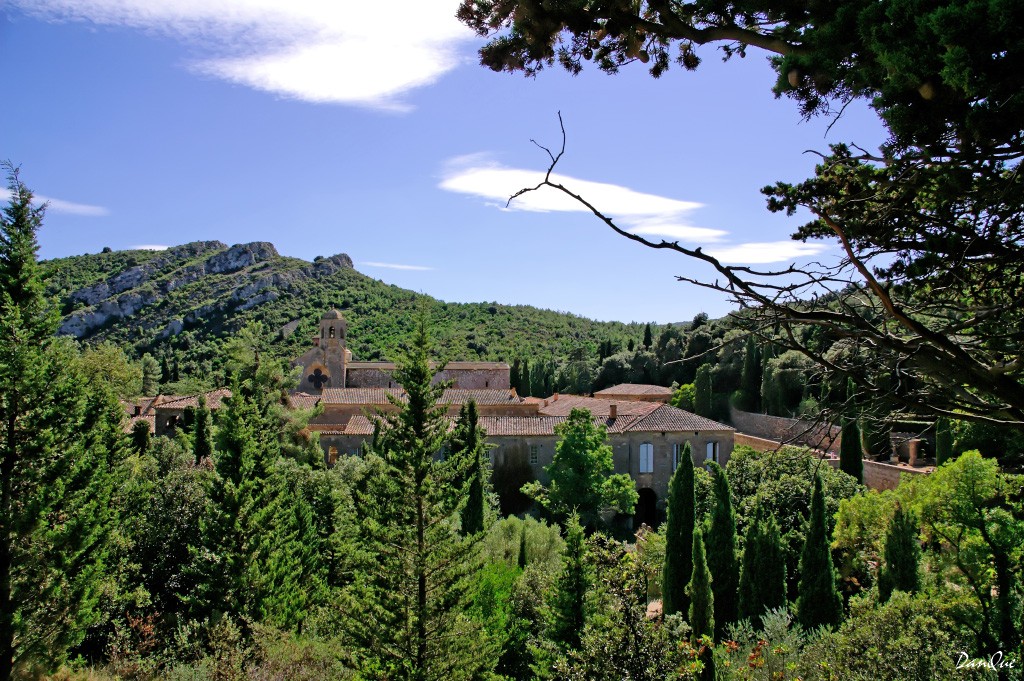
<point x="229" y="551"/>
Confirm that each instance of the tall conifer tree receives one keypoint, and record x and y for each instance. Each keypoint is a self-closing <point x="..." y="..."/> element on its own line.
<point x="721" y="552"/>
<point x="406" y="611"/>
<point x="819" y="602"/>
<point x="678" y="565"/>
<point x="763" y="572"/>
<point x="750" y="377"/>
<point x="702" y="606"/>
<point x="901" y="567"/>
<point x="568" y="614"/>
<point x="467" y="443"/>
<point x="202" y="438"/>
<point x="59" y="445"/>
<point x="851" y="458"/>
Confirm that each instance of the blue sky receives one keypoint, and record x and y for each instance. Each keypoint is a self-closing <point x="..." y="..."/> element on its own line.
<point x="329" y="127"/>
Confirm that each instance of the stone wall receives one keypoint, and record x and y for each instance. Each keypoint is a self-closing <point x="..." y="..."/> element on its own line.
<point x="789" y="431"/>
<point x="476" y="379"/>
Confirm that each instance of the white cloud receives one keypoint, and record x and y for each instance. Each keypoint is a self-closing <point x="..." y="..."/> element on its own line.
<point x="395" y="266"/>
<point x="315" y="50"/>
<point x="148" y="247"/>
<point x="765" y="252"/>
<point x="62" y="206"/>
<point x="647" y="214"/>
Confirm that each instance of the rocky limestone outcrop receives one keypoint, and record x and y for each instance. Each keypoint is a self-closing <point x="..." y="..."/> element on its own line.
<point x="103" y="307"/>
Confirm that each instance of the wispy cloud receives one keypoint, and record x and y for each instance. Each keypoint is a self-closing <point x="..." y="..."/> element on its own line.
<point x="148" y="247"/>
<point x="396" y="266"/>
<point x="649" y="215"/>
<point x="360" y="53"/>
<point x="766" y="252"/>
<point x="62" y="206"/>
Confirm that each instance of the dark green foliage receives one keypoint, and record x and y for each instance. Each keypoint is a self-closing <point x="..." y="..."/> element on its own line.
<point x="901" y="569"/>
<point x="763" y="573"/>
<point x="819" y="603"/>
<point x="406" y="611"/>
<point x="778" y="483"/>
<point x="202" y="433"/>
<point x="568" y="603"/>
<point x="581" y="475"/>
<point x="150" y="375"/>
<point x="874" y="437"/>
<point x="702" y="392"/>
<point x="679" y="536"/>
<point x="851" y="458"/>
<point x="943" y="441"/>
<point x="721" y="553"/>
<point x="467" y="444"/>
<point x="522" y="558"/>
<point x="59" y="448"/>
<point x="750" y="379"/>
<point x="648" y="340"/>
<point x="702" y="607"/>
<point x="140" y="436"/>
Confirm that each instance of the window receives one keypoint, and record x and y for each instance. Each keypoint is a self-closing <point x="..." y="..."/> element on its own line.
<point x="676" y="448"/>
<point x="646" y="457"/>
<point x="331" y="335"/>
<point x="534" y="454"/>
<point x="332" y="455"/>
<point x="711" y="452"/>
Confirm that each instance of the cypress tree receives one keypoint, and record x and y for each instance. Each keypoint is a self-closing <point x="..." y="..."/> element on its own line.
<point x="524" y="380"/>
<point x="568" y="614"/>
<point x="721" y="552"/>
<point x="943" y="441"/>
<point x="819" y="602"/>
<point x="514" y="373"/>
<point x="467" y="444"/>
<point x="900" y="570"/>
<point x="648" y="339"/>
<point x="702" y="618"/>
<point x="851" y="458"/>
<point x="140" y="437"/>
<point x="750" y="377"/>
<point x="702" y="391"/>
<point x="678" y="564"/>
<point x="763" y="572"/>
<point x="202" y="438"/>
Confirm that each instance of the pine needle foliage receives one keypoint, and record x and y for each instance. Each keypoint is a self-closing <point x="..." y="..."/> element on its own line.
<point x="851" y="458"/>
<point x="405" y="611"/>
<point x="819" y="603"/>
<point x="679" y="536"/>
<point x="901" y="568"/>
<point x="721" y="552"/>
<point x="568" y="614"/>
<point x="763" y="571"/>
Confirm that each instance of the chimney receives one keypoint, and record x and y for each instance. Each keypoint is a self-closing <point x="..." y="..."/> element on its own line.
<point x="613" y="411"/>
<point x="555" y="398"/>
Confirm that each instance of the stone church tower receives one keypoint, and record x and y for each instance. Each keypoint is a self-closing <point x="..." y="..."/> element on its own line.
<point x="323" y="365"/>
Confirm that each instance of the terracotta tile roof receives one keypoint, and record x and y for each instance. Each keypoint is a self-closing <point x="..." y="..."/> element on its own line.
<point x="304" y="400"/>
<point x="520" y="425"/>
<point x="213" y="400"/>
<point x="462" y="366"/>
<point x="378" y="396"/>
<point x="628" y="389"/>
<point x="360" y="395"/>
<point x="148" y="418"/>
<point x="667" y="418"/>
<point x="598" y="407"/>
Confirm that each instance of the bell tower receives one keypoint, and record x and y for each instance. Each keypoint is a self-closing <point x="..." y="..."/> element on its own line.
<point x="329" y="372"/>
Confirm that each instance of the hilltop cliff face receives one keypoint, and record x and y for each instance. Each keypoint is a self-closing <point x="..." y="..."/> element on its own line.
<point x="239" y="278"/>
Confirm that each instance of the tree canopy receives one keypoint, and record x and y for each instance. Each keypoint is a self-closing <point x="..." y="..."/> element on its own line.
<point x="921" y="310"/>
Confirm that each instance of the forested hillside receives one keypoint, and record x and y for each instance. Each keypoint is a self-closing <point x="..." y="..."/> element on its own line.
<point x="182" y="304"/>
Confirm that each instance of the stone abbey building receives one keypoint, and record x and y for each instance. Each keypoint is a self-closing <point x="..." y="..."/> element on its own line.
<point x="646" y="434"/>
